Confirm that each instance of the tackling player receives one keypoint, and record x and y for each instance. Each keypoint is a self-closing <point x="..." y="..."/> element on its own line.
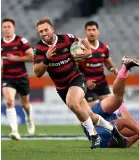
<point x="105" y="109"/>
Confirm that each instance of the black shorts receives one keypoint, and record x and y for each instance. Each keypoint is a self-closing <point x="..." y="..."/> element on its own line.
<point x="21" y="85"/>
<point x="92" y="95"/>
<point x="79" y="81"/>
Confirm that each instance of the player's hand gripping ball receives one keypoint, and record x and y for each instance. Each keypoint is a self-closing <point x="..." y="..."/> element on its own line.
<point x="76" y="49"/>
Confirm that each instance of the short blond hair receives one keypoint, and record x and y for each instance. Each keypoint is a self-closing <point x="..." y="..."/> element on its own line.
<point x="43" y="20"/>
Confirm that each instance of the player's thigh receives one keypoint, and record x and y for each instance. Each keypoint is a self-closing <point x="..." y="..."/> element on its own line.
<point x="110" y="104"/>
<point x="85" y="105"/>
<point x="75" y="95"/>
<point x="76" y="90"/>
<point x="9" y="94"/>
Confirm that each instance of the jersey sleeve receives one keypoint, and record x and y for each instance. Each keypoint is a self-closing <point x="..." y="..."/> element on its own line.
<point x="107" y="51"/>
<point x="72" y="38"/>
<point x="25" y="45"/>
<point x="38" y="55"/>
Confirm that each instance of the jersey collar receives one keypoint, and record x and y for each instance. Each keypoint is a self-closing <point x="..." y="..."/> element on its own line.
<point x="10" y="39"/>
<point x="93" y="46"/>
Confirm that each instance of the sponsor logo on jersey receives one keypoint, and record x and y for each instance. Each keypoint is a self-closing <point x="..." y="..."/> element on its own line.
<point x="65" y="50"/>
<point x="57" y="64"/>
<point x="91" y="65"/>
<point x="102" y="55"/>
<point x="15" y="48"/>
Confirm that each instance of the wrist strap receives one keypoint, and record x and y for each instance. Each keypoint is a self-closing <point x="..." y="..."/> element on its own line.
<point x="46" y="61"/>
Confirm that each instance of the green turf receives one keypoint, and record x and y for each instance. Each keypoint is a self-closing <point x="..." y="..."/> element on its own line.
<point x="60" y="149"/>
<point x="48" y="130"/>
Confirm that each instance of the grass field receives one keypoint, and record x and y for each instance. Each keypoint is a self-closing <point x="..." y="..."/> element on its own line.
<point x="60" y="149"/>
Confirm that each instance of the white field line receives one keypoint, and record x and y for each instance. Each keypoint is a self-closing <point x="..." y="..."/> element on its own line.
<point x="45" y="137"/>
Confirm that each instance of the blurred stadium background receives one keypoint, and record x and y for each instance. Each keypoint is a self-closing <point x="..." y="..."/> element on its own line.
<point x="119" y="26"/>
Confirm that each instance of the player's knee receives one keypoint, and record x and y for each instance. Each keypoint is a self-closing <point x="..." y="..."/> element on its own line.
<point x="10" y="103"/>
<point x="73" y="105"/>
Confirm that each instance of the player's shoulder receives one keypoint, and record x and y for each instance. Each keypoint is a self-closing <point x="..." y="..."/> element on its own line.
<point x="40" y="43"/>
<point x="41" y="47"/>
<point x="60" y="37"/>
<point x="22" y="39"/>
<point x="103" y="45"/>
<point x="69" y="35"/>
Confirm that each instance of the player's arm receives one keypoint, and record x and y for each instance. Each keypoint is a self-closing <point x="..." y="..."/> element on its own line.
<point x="40" y="68"/>
<point x="108" y="61"/>
<point x="110" y="66"/>
<point x="87" y="49"/>
<point x="28" y="57"/>
<point x="41" y="63"/>
<point x="86" y="44"/>
<point x="126" y="114"/>
<point x="26" y="49"/>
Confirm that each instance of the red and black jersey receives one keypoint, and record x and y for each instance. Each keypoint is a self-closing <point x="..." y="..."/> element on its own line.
<point x="17" y="47"/>
<point x="62" y="68"/>
<point x="93" y="66"/>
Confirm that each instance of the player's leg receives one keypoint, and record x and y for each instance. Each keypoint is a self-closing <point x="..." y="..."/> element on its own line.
<point x="125" y="114"/>
<point x="92" y="99"/>
<point x="112" y="103"/>
<point x="78" y="104"/>
<point x="74" y="97"/>
<point x="23" y="90"/>
<point x="83" y="114"/>
<point x="24" y="100"/>
<point x="77" y="101"/>
<point x="73" y="101"/>
<point x="96" y="118"/>
<point x="125" y="123"/>
<point x="131" y="140"/>
<point x="127" y="132"/>
<point x="9" y="95"/>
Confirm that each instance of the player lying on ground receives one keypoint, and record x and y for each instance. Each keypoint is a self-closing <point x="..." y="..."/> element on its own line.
<point x="127" y="127"/>
<point x="52" y="54"/>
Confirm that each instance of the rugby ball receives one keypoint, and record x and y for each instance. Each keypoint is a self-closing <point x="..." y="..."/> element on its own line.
<point x="76" y="49"/>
